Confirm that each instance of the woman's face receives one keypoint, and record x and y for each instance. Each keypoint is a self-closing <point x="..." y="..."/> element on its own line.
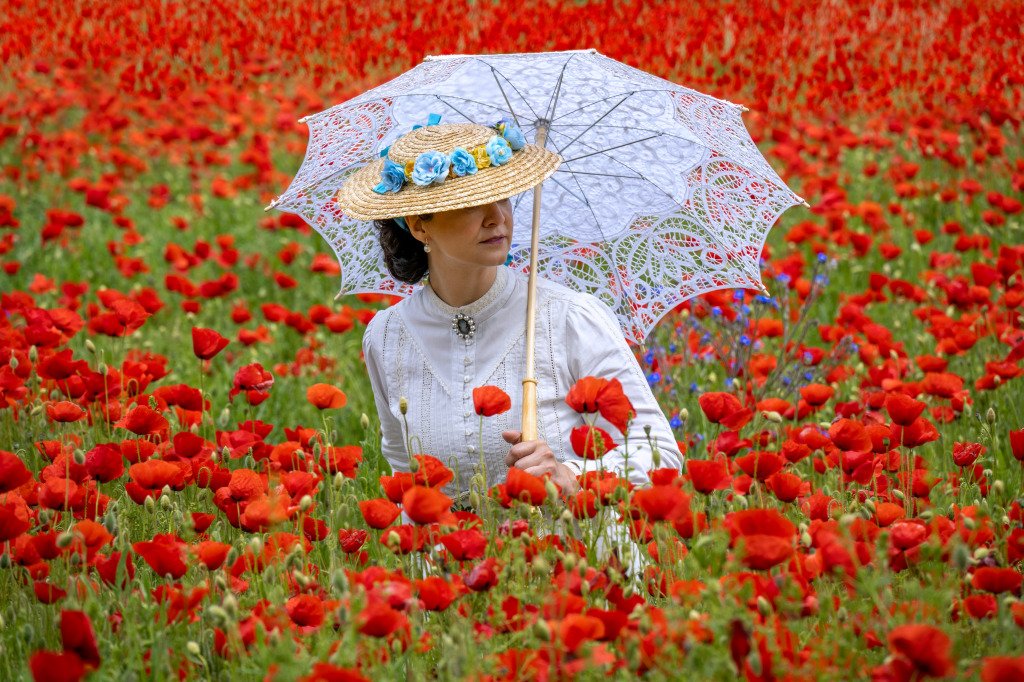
<point x="476" y="236"/>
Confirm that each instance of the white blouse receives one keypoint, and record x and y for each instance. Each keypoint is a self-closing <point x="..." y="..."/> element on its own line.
<point x="412" y="352"/>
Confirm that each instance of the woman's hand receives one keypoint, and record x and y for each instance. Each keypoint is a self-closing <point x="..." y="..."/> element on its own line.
<point x="535" y="457"/>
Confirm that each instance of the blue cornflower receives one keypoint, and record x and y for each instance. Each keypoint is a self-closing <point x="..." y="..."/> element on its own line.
<point x="822" y="258"/>
<point x="676" y="421"/>
<point x="744" y="340"/>
<point x="716" y="311"/>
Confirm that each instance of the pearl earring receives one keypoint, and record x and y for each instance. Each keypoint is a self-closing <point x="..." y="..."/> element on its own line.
<point x="426" y="247"/>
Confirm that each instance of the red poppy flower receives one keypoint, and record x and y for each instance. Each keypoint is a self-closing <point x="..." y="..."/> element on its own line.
<point x="344" y="459"/>
<point x="484" y="575"/>
<point x="903" y="409"/>
<point x="490" y="400"/>
<point x="923" y="650"/>
<point x="305" y="610"/>
<point x="211" y="554"/>
<point x="143" y="421"/>
<point x="979" y="606"/>
<point x="708" y="476"/>
<point x="764" y="536"/>
<point x="425" y="505"/>
<point x="582" y="397"/>
<point x="154" y="474"/>
<point x="1002" y="669"/>
<point x="725" y="409"/>
<point x="1017" y="444"/>
<point x="662" y="503"/>
<point x="785" y="486"/>
<point x="465" y="545"/>
<point x="907" y="534"/>
<point x="614" y="406"/>
<point x="165" y="554"/>
<point x="14" y="517"/>
<point x="13" y="473"/>
<point x="965" y="454"/>
<point x="49" y="666"/>
<point x="432" y="472"/>
<point x="77" y="636"/>
<point x="591" y="442"/>
<point x="328" y="672"/>
<point x="64" y="412"/>
<point x="47" y="593"/>
<point x="254" y="381"/>
<point x="920" y="432"/>
<point x="523" y="486"/>
<point x="760" y="465"/>
<point x="850" y="435"/>
<point x="436" y="593"/>
<point x="816" y="394"/>
<point x="996" y="580"/>
<point x="379" y="513"/>
<point x="380" y="620"/>
<point x="326" y="397"/>
<point x="351" y="540"/>
<point x="207" y="343"/>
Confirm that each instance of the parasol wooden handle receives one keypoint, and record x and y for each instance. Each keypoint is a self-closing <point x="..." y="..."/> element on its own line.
<point x="529" y="426"/>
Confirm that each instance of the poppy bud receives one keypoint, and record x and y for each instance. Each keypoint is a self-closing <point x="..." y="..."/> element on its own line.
<point x="684" y="414"/>
<point x="193" y="648"/>
<point x="339" y="480"/>
<point x="65" y="539"/>
<point x="998" y="487"/>
<point x="256" y="545"/>
<point x="403" y="405"/>
<point x="364" y="421"/>
<point x="13" y="362"/>
<point x="474" y="500"/>
<point x="541" y="631"/>
<point x="230" y="605"/>
<point x="842" y="614"/>
<point x="764" y="607"/>
<point x="806" y="540"/>
<point x="981" y="553"/>
<point x="990" y="416"/>
<point x="217" y="614"/>
<point x="961" y="557"/>
<point x="570" y="562"/>
<point x="79" y="456"/>
<point x="33" y="353"/>
<point x="394" y="539"/>
<point x="5" y="561"/>
<point x="773" y="417"/>
<point x="37" y="409"/>
<point x="969" y="523"/>
<point x="898" y="494"/>
<point x="305" y="503"/>
<point x="540" y="566"/>
<point x="656" y="458"/>
<point x="551" y="489"/>
<point x="150" y="505"/>
<point x="339" y="581"/>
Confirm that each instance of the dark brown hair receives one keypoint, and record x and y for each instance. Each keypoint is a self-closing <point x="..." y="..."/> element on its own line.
<point x="403" y="253"/>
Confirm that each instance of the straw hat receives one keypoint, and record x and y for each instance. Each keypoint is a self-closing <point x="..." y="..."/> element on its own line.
<point x="363" y="196"/>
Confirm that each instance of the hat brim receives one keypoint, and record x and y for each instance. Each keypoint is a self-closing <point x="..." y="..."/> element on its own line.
<point x="528" y="167"/>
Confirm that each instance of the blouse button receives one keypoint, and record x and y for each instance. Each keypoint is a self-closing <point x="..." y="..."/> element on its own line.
<point x="467" y="360"/>
<point x="470" y="449"/>
<point x="469" y="432"/>
<point x="466" y="413"/>
<point x="466" y="378"/>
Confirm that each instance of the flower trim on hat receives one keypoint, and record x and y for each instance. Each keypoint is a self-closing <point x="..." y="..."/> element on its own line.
<point x="434" y="167"/>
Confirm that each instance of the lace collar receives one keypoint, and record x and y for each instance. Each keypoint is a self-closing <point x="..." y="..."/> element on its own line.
<point x="476" y="307"/>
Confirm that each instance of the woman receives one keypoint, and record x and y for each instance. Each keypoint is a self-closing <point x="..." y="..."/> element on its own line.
<point x="441" y="201"/>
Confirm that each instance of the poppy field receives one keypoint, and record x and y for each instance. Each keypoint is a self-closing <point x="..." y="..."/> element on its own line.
<point x="191" y="483"/>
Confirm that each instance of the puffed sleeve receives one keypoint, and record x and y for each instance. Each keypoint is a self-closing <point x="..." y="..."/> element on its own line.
<point x="597" y="348"/>
<point x="392" y="442"/>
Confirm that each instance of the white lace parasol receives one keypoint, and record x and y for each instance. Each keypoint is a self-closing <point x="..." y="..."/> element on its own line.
<point x="662" y="195"/>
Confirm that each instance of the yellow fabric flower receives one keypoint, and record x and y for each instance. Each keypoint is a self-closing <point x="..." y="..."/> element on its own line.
<point x="481" y="157"/>
<point x="408" y="170"/>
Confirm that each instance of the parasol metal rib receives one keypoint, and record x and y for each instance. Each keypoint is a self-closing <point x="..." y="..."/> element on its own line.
<point x="607" y="175"/>
<point x="585" y="130"/>
<point x="446" y="103"/>
<point x="602" y="151"/>
<point x="494" y="72"/>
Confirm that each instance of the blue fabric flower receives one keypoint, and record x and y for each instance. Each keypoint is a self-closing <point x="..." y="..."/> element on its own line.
<point x="513" y="135"/>
<point x="498" y="150"/>
<point x="392" y="176"/>
<point x="463" y="162"/>
<point x="430" y="167"/>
